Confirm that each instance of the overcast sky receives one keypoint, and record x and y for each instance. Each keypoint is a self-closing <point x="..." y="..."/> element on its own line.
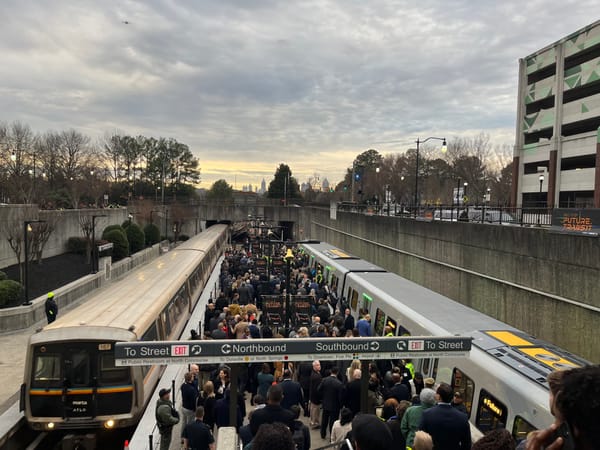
<point x="248" y="84"/>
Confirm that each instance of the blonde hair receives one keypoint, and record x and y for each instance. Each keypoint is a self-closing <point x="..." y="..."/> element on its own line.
<point x="209" y="389"/>
<point x="423" y="441"/>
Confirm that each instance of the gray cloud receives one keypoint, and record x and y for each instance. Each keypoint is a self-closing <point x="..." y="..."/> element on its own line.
<point x="311" y="83"/>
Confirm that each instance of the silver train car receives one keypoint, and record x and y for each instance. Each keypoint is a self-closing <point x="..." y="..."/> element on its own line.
<point x="71" y="381"/>
<point x="503" y="381"/>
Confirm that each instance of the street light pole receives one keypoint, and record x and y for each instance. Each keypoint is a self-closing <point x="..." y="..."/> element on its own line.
<point x="418" y="142"/>
<point x="289" y="257"/>
<point x="26" y="229"/>
<point x="541" y="178"/>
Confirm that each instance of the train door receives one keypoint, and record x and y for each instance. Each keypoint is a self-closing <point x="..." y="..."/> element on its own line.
<point x="79" y="394"/>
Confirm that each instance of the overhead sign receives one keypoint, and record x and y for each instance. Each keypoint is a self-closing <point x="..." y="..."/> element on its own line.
<point x="301" y="349"/>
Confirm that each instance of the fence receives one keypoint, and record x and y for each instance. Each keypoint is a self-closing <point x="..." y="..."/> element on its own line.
<point x="522" y="216"/>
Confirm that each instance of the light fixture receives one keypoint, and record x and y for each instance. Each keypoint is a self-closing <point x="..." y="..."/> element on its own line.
<point x="13" y="157"/>
<point x="289" y="255"/>
<point x="444" y="148"/>
<point x="541" y="178"/>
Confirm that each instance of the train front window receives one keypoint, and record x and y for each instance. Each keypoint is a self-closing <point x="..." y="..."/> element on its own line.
<point x="491" y="413"/>
<point x="78" y="368"/>
<point x="111" y="374"/>
<point x="521" y="428"/>
<point x="46" y="371"/>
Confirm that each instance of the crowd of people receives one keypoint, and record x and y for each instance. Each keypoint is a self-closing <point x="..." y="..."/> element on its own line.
<point x="404" y="409"/>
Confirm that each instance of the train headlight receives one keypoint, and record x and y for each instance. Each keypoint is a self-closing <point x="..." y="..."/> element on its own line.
<point x="50" y="425"/>
<point x="109" y="423"/>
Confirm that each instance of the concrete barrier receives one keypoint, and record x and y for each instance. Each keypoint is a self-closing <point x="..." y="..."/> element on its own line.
<point x="20" y="317"/>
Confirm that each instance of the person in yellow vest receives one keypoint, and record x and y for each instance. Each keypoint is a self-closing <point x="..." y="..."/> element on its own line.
<point x="51" y="308"/>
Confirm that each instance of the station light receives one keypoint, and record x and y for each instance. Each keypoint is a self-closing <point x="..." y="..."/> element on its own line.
<point x="50" y="425"/>
<point x="109" y="423"/>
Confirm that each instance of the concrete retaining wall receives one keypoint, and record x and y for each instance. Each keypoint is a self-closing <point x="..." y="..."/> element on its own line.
<point x="482" y="266"/>
<point x="67" y="225"/>
<point x="20" y="317"/>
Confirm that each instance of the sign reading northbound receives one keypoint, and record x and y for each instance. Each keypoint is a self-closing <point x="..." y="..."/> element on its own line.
<point x="253" y="350"/>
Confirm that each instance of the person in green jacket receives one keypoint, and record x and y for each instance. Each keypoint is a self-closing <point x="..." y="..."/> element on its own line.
<point x="412" y="416"/>
<point x="166" y="417"/>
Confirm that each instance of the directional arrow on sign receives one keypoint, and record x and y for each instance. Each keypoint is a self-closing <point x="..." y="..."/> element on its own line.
<point x="196" y="349"/>
<point x="374" y="346"/>
<point x="401" y="345"/>
<point x="226" y="349"/>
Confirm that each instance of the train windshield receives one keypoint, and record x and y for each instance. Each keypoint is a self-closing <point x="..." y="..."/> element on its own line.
<point x="46" y="371"/>
<point x="78" y="368"/>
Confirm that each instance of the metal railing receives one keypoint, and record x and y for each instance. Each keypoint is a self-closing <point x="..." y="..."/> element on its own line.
<point x="490" y="214"/>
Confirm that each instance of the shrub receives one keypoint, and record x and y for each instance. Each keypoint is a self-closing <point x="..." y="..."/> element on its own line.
<point x="11" y="293"/>
<point x="136" y="238"/>
<point x="3" y="276"/>
<point x="126" y="224"/>
<point x="120" y="243"/>
<point x="111" y="228"/>
<point x="152" y="234"/>
<point x="77" y="244"/>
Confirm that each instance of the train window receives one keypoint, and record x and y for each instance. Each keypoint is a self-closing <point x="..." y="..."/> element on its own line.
<point x="491" y="412"/>
<point x="353" y="296"/>
<point x="392" y="324"/>
<point x="379" y="322"/>
<point x="165" y="320"/>
<point x="109" y="373"/>
<point x="521" y="428"/>
<point x="46" y="370"/>
<point x="151" y="333"/>
<point x="334" y="284"/>
<point x="465" y="385"/>
<point x="367" y="301"/>
<point x="79" y="370"/>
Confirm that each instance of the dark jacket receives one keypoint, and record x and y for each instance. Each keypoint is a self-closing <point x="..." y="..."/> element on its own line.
<point x="448" y="427"/>
<point x="165" y="418"/>
<point x="189" y="396"/>
<point x="331" y="390"/>
<point x="315" y="381"/>
<point x="51" y="310"/>
<point x="352" y="396"/>
<point x="271" y="414"/>
<point x="349" y="322"/>
<point x="292" y="394"/>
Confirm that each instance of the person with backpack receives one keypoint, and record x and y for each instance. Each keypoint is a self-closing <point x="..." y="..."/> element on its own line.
<point x="166" y="417"/>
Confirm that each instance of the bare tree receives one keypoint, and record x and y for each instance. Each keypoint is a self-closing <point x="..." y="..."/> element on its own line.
<point x="86" y="224"/>
<point x="12" y="231"/>
<point x="40" y="235"/>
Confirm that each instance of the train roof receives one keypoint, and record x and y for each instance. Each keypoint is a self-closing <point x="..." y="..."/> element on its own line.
<point x="528" y="355"/>
<point x="339" y="259"/>
<point x="133" y="302"/>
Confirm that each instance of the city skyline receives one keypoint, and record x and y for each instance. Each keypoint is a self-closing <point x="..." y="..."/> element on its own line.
<point x="248" y="86"/>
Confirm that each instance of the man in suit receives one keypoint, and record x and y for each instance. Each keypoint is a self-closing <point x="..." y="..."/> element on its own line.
<point x="448" y="427"/>
<point x="352" y="392"/>
<point x="314" y="397"/>
<point x="292" y="391"/>
<point x="330" y="390"/>
<point x="272" y="412"/>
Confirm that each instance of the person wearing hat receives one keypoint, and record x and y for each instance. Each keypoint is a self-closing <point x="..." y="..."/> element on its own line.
<point x="51" y="308"/>
<point x="166" y="417"/>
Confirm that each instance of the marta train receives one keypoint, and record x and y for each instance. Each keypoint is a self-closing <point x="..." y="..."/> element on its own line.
<point x="503" y="381"/>
<point x="71" y="381"/>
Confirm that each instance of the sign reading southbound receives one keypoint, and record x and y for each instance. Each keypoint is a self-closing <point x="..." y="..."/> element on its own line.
<point x="255" y="350"/>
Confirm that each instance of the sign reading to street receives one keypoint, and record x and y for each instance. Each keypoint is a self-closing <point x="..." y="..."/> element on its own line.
<point x="304" y="349"/>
